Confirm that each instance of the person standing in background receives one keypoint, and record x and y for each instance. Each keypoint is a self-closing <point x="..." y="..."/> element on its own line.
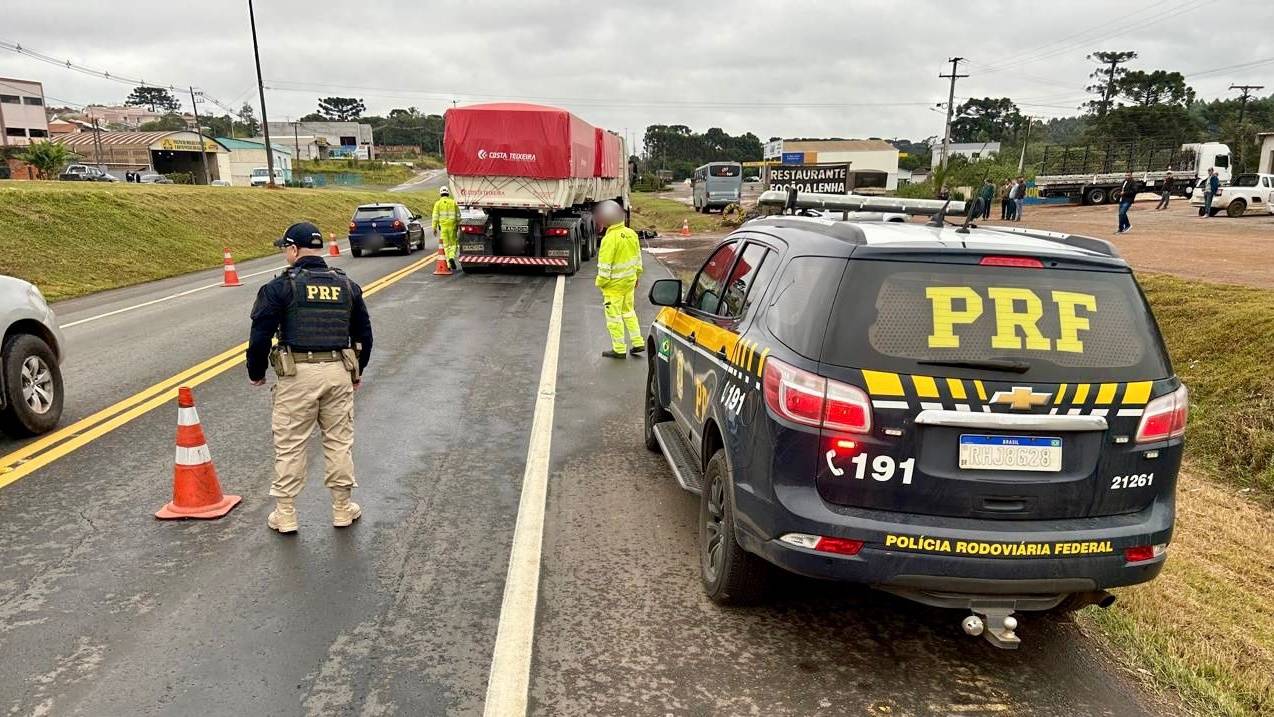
<point x="1211" y="187"/>
<point x="986" y="194"/>
<point x="1127" y="194"/>
<point x="1165" y="192"/>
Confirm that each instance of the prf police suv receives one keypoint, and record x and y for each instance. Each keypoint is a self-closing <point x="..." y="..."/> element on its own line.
<point x="976" y="418"/>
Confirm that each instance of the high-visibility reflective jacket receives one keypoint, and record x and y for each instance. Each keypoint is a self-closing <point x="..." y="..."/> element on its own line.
<point x="446" y="213"/>
<point x="618" y="259"/>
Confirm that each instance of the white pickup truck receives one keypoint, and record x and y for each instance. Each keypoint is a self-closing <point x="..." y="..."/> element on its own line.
<point x="1245" y="194"/>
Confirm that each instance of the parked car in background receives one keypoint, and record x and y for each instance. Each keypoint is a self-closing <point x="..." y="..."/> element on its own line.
<point x="220" y="183"/>
<point x="261" y="177"/>
<point x="380" y="226"/>
<point x="152" y="178"/>
<point x="30" y="356"/>
<point x="1245" y="194"/>
<point x="85" y="173"/>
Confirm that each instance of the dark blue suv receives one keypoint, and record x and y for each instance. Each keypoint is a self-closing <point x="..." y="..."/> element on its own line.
<point x="983" y="419"/>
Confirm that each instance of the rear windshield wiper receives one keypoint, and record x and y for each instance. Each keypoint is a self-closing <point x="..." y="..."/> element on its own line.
<point x="1008" y="365"/>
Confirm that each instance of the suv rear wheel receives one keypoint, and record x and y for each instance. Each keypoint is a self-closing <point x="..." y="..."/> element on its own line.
<point x="32" y="386"/>
<point x="1236" y="208"/>
<point x="731" y="575"/>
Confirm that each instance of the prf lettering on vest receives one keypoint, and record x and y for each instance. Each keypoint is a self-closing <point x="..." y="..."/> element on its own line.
<point x="1017" y="314"/>
<point x="323" y="293"/>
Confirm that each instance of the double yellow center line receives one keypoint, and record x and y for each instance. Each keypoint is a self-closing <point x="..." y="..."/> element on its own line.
<point x="53" y="446"/>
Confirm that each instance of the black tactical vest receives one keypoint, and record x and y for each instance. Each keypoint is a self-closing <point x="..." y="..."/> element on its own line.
<point x="319" y="316"/>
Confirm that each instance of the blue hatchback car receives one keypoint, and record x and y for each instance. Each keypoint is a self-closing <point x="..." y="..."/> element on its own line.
<point x="382" y="226"/>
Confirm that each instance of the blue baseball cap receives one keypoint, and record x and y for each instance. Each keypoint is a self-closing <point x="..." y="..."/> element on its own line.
<point x="302" y="234"/>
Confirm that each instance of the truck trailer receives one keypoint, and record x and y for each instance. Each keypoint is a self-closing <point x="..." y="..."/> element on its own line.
<point x="534" y="174"/>
<point x="1093" y="174"/>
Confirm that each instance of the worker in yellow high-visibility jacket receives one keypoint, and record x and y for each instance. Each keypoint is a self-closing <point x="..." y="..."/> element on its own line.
<point x="446" y="218"/>
<point x="618" y="269"/>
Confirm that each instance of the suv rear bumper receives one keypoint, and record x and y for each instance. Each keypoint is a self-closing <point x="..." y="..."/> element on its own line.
<point x="955" y="555"/>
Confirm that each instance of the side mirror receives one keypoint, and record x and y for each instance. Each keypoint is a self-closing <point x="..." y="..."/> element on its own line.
<point x="666" y="292"/>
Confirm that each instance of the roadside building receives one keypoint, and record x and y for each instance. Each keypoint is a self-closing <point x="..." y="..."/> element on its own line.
<point x="1266" y="163"/>
<point x="121" y="116"/>
<point x="873" y="163"/>
<point x="972" y="151"/>
<point x="323" y="140"/>
<point x="22" y="117"/>
<point x="244" y="155"/>
<point x="160" y="152"/>
<point x="59" y="126"/>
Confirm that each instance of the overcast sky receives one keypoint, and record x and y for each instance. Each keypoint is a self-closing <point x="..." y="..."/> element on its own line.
<point x="778" y="68"/>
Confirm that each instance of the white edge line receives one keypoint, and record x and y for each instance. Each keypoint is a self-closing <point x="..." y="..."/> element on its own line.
<point x="510" y="677"/>
<point x="170" y="297"/>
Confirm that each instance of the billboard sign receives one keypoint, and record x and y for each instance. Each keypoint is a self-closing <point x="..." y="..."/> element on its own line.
<point x="821" y="178"/>
<point x="793" y="158"/>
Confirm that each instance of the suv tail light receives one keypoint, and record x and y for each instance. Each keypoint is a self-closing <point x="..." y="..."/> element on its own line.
<point x="352" y="226"/>
<point x="1165" y="417"/>
<point x="809" y="399"/>
<point x="398" y="224"/>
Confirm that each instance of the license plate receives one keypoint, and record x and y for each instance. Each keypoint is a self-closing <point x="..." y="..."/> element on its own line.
<point x="1010" y="453"/>
<point x="515" y="229"/>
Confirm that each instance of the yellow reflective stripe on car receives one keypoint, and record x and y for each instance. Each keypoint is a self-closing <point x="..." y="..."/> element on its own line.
<point x="1061" y="394"/>
<point x="882" y="383"/>
<point x="981" y="390"/>
<point x="1081" y="394"/>
<point x="1138" y="393"/>
<point x="956" y="386"/>
<point x="925" y="386"/>
<point x="1106" y="394"/>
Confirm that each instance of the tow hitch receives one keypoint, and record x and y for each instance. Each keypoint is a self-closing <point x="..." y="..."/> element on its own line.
<point x="997" y="624"/>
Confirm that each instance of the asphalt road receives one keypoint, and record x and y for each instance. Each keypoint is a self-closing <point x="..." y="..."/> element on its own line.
<point x="106" y="611"/>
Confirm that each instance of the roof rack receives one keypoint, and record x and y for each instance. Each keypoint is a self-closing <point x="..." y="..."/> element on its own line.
<point x="792" y="200"/>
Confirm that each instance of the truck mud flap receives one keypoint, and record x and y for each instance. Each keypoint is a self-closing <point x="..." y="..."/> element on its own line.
<point x="480" y="259"/>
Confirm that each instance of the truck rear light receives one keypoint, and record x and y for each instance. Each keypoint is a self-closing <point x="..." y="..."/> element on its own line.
<point x="824" y="544"/>
<point x="809" y="399"/>
<point x="1021" y="262"/>
<point x="1165" y="417"/>
<point x="556" y="232"/>
<point x="472" y="229"/>
<point x="1142" y="553"/>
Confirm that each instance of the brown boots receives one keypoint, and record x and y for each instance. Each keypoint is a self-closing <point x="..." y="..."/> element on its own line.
<point x="344" y="512"/>
<point x="283" y="518"/>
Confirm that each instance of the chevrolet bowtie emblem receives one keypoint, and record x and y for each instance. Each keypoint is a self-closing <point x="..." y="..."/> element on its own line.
<point x="1021" y="398"/>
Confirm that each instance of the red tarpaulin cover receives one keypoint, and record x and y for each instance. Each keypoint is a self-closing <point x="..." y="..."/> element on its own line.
<point x="609" y="161"/>
<point x="519" y="140"/>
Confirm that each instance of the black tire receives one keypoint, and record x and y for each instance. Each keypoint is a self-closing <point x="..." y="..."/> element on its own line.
<point x="1213" y="212"/>
<point x="730" y="574"/>
<point x="356" y="251"/>
<point x="655" y="412"/>
<point x="30" y="367"/>
<point x="573" y="263"/>
<point x="1236" y="208"/>
<point x="406" y="248"/>
<point x="1096" y="195"/>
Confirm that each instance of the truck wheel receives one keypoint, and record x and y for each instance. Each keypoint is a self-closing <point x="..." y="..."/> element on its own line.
<point x="655" y="412"/>
<point x="1095" y="195"/>
<point x="731" y="575"/>
<point x="356" y="251"/>
<point x="585" y="244"/>
<point x="1236" y="208"/>
<point x="32" y="385"/>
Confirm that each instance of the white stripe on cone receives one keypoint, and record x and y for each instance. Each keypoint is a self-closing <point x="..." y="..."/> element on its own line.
<point x="187" y="416"/>
<point x="196" y="456"/>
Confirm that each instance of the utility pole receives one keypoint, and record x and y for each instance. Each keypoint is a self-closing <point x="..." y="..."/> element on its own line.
<point x="946" y="137"/>
<point x="97" y="143"/>
<point x="296" y="139"/>
<point x="265" y="119"/>
<point x="1021" y="161"/>
<point x="203" y="156"/>
<point x="1242" y="111"/>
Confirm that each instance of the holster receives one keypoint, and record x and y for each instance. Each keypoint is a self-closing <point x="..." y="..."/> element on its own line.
<point x="282" y="362"/>
<point x="350" y="359"/>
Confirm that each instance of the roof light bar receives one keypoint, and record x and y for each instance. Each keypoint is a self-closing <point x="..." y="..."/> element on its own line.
<point x="860" y="203"/>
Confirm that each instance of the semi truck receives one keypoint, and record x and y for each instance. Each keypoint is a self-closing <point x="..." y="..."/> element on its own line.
<point x="1093" y="174"/>
<point x="533" y="173"/>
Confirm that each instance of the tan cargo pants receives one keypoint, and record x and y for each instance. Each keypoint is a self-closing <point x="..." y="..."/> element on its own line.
<point x="319" y="393"/>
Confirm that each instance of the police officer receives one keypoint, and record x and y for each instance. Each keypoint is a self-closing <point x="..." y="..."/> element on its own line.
<point x="618" y="269"/>
<point x="445" y="218"/>
<point x="325" y="340"/>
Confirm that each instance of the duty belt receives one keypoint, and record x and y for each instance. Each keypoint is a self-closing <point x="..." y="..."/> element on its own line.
<point x="315" y="356"/>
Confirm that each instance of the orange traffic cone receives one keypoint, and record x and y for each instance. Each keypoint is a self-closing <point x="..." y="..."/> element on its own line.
<point x="332" y="249"/>
<point x="442" y="268"/>
<point x="685" y="227"/>
<point x="196" y="492"/>
<point x="232" y="274"/>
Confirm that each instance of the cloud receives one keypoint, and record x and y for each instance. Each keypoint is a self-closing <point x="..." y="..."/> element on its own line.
<point x="792" y="68"/>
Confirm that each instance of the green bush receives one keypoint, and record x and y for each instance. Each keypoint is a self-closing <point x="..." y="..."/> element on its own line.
<point x="181" y="177"/>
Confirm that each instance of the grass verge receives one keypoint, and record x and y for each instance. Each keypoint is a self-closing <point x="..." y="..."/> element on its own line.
<point x="72" y="239"/>
<point x="666" y="215"/>
<point x="372" y="173"/>
<point x="1219" y="337"/>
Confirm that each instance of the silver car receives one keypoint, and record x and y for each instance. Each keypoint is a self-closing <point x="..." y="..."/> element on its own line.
<point x="32" y="352"/>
